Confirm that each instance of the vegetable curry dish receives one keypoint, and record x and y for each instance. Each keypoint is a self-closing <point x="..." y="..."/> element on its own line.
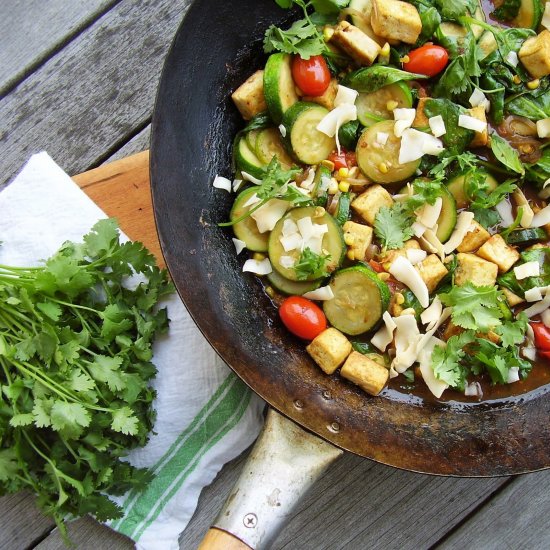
<point x="391" y="190"/>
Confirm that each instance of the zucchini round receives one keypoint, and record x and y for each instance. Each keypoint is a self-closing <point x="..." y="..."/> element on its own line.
<point x="457" y="188"/>
<point x="292" y="288"/>
<point x="360" y="299"/>
<point x="380" y="163"/>
<point x="306" y="142"/>
<point x="527" y="236"/>
<point x="373" y="107"/>
<point x="447" y="219"/>
<point x="529" y="14"/>
<point x="333" y="242"/>
<point x="279" y="89"/>
<point x="247" y="161"/>
<point x="269" y="145"/>
<point x="247" y="230"/>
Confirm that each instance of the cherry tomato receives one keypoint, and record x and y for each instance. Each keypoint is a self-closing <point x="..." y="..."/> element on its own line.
<point x="545" y="354"/>
<point x="302" y="317"/>
<point x="428" y="59"/>
<point x="377" y="266"/>
<point x="542" y="336"/>
<point x="311" y="75"/>
<point x="351" y="159"/>
<point x="338" y="159"/>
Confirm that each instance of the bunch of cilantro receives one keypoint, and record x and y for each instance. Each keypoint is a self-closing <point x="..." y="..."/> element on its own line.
<point x="75" y="367"/>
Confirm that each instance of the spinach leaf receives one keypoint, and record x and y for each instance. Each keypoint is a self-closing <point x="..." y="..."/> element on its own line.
<point x="429" y="15"/>
<point x="370" y="79"/>
<point x="348" y="134"/>
<point x="452" y="10"/>
<point x="487" y="217"/>
<point x="496" y="91"/>
<point x="506" y="154"/>
<point x="507" y="10"/>
<point x="533" y="105"/>
<point x="539" y="172"/>
<point x="540" y="255"/>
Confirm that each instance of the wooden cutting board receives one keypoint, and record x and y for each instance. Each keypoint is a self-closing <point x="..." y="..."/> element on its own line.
<point x="122" y="190"/>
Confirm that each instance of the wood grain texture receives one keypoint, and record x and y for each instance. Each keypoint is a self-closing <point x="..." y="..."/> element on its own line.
<point x="220" y="540"/>
<point x="32" y="29"/>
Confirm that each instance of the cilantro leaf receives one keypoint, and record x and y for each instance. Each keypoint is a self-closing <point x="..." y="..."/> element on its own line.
<point x="506" y="154"/>
<point x="125" y="421"/>
<point x="311" y="265"/>
<point x="512" y="333"/>
<point x="392" y="225"/>
<point x="446" y="360"/>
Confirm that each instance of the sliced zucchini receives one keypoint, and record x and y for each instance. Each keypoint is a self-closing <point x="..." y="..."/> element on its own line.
<point x="342" y="209"/>
<point x="527" y="236"/>
<point x="306" y="142"/>
<point x="320" y="185"/>
<point x="360" y="299"/>
<point x="279" y="89"/>
<point x="247" y="230"/>
<point x="456" y="187"/>
<point x="269" y="145"/>
<point x="373" y="107"/>
<point x="333" y="242"/>
<point x="487" y="44"/>
<point x="247" y="161"/>
<point x="529" y="15"/>
<point x="447" y="219"/>
<point x="251" y="139"/>
<point x="380" y="163"/>
<point x="292" y="288"/>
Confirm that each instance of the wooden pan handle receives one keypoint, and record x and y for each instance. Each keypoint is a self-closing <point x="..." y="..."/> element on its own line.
<point x="216" y="539"/>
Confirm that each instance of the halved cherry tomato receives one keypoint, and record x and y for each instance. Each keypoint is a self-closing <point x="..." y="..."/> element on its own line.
<point x="344" y="159"/>
<point x="311" y="75"/>
<point x="428" y="59"/>
<point x="545" y="354"/>
<point x="377" y="266"/>
<point x="542" y="336"/>
<point x="302" y="317"/>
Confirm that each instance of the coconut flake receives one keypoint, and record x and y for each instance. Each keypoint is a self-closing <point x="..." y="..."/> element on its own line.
<point x="543" y="128"/>
<point x="288" y="262"/>
<point x="321" y="293"/>
<point x="437" y="125"/>
<point x="382" y="138"/>
<point x="259" y="267"/>
<point x="252" y="200"/>
<point x="239" y="245"/>
<point x="428" y="214"/>
<point x="529" y="353"/>
<point x="405" y="338"/>
<point x="418" y="229"/>
<point x="345" y="96"/>
<point x="384" y="337"/>
<point x="291" y="242"/>
<point x="416" y="255"/>
<point x="473" y="390"/>
<point x="412" y="146"/>
<point x="504" y="209"/>
<point x="289" y="227"/>
<point x="528" y="269"/>
<point x="432" y="243"/>
<point x="308" y="182"/>
<point x="269" y="214"/>
<point x="527" y="214"/>
<point x="478" y="99"/>
<point x="538" y="307"/>
<point x="533" y="294"/>
<point x="282" y="129"/>
<point x="403" y="120"/>
<point x="237" y="184"/>
<point x="542" y="217"/>
<point x="248" y="177"/>
<point x="222" y="183"/>
<point x="471" y="123"/>
<point x="436" y="386"/>
<point x="463" y="223"/>
<point x="512" y="58"/>
<point x="513" y="375"/>
<point x="545" y="317"/>
<point x="404" y="272"/>
<point x="432" y="314"/>
<point x="331" y="123"/>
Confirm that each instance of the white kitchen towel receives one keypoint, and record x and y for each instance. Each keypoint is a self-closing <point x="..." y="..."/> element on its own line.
<point x="205" y="415"/>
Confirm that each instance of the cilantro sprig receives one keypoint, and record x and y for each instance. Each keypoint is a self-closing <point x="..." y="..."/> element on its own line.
<point x="75" y="367"/>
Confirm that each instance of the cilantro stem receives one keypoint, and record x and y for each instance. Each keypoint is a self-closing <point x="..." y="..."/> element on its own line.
<point x="247" y="214"/>
<point x="76" y="306"/>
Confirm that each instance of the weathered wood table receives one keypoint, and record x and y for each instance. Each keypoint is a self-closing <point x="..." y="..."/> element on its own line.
<point x="78" y="79"/>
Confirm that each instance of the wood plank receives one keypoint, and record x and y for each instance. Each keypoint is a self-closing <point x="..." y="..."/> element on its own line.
<point x="31" y="30"/>
<point x="518" y="516"/>
<point x="95" y="94"/>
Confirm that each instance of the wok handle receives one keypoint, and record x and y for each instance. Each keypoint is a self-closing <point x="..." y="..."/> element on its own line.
<point x="284" y="463"/>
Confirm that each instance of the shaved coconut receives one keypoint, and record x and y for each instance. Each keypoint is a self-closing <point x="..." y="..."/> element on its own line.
<point x="269" y="214"/>
<point x="432" y="145"/>
<point x="545" y="317"/>
<point x="533" y="294"/>
<point x="222" y="183"/>
<point x="473" y="390"/>
<point x="545" y="192"/>
<point x="543" y="128"/>
<point x="330" y="124"/>
<point x="405" y="273"/>
<point x="403" y="120"/>
<point x="538" y="307"/>
<point x="405" y="338"/>
<point x="305" y="226"/>
<point x="436" y="386"/>
<point x="527" y="213"/>
<point x="384" y="337"/>
<point x="239" y="245"/>
<point x="429" y="213"/>
<point x="345" y="96"/>
<point x="542" y="217"/>
<point x="425" y="338"/>
<point x="437" y="125"/>
<point x="291" y="242"/>
<point x="434" y="245"/>
<point x="382" y="138"/>
<point x="504" y="209"/>
<point x="289" y="227"/>
<point x="418" y="229"/>
<point x="287" y="262"/>
<point x="321" y="293"/>
<point x="292" y="184"/>
<point x="412" y="146"/>
<point x="463" y="224"/>
<point x="471" y="123"/>
<point x="513" y="375"/>
<point x="262" y="267"/>
<point x="248" y="177"/>
<point x="282" y="129"/>
<point x="237" y="184"/>
<point x="478" y="99"/>
<point x="529" y="353"/>
<point x="308" y="182"/>
<point x="432" y="314"/>
<point x="253" y="199"/>
<point x="512" y="58"/>
<point x="528" y="269"/>
<point x="415" y="255"/>
<point x="545" y="22"/>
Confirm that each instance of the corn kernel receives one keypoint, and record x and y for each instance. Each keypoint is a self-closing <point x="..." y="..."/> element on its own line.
<point x="258" y="256"/>
<point x="351" y="255"/>
<point x="533" y="84"/>
<point x="383" y="276"/>
<point x="391" y="105"/>
<point x="349" y="239"/>
<point x="405" y="59"/>
<point x="385" y="51"/>
<point x="383" y="167"/>
<point x="343" y="172"/>
<point x="328" y="33"/>
<point x="399" y="298"/>
<point x="408" y="311"/>
<point x="319" y="212"/>
<point x="328" y="164"/>
<point x="344" y="186"/>
<point x="269" y="291"/>
<point x="333" y="187"/>
<point x="516" y="79"/>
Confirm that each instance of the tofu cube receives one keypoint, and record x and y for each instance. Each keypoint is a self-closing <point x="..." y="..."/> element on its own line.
<point x="497" y="251"/>
<point x="359" y="46"/>
<point x="511" y="298"/>
<point x="432" y="271"/>
<point x="329" y="350"/>
<point x="421" y="120"/>
<point x="369" y="375"/>
<point x="249" y="96"/>
<point x="358" y="237"/>
<point x="396" y="20"/>
<point x="367" y="204"/>
<point x="480" y="138"/>
<point x="475" y="237"/>
<point x="391" y="255"/>
<point x="327" y="98"/>
<point x="473" y="269"/>
<point x="535" y="54"/>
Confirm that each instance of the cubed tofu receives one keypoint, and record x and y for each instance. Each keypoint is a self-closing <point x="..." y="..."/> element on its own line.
<point x="391" y="255"/>
<point x="451" y="330"/>
<point x="329" y="350"/>
<point x="497" y="251"/>
<point x="475" y="237"/>
<point x="396" y="20"/>
<point x="327" y="98"/>
<point x="535" y="54"/>
<point x="249" y="96"/>
<point x="480" y="138"/>
<point x="432" y="271"/>
<point x="360" y="47"/>
<point x="511" y="298"/>
<point x="366" y="373"/>
<point x="367" y="204"/>
<point x="358" y="238"/>
<point x="421" y="120"/>
<point x="476" y="270"/>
